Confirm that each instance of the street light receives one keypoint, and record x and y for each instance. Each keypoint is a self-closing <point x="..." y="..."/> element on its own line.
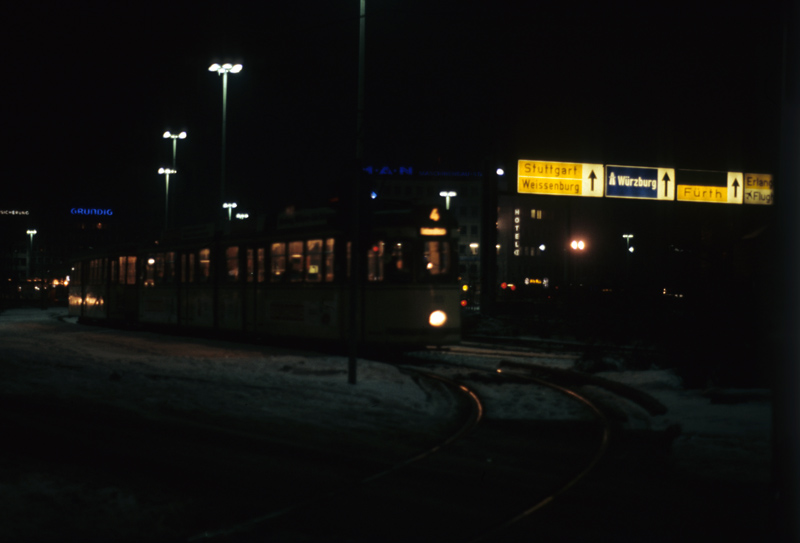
<point x="31" y="233"/>
<point x="174" y="138"/>
<point x="447" y="194"/>
<point x="166" y="172"/>
<point x="628" y="238"/>
<point x="224" y="70"/>
<point x="229" y="207"/>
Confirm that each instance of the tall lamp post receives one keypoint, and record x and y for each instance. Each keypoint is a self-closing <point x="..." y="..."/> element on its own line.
<point x="229" y="206"/>
<point x="174" y="138"/>
<point x="224" y="70"/>
<point x="31" y="233"/>
<point x="166" y="172"/>
<point x="447" y="194"/>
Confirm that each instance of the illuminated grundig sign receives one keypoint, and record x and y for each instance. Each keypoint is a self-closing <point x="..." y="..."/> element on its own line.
<point x="89" y="211"/>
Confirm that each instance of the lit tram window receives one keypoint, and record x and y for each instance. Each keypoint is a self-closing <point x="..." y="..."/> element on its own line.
<point x="261" y="266"/>
<point x="204" y="262"/>
<point x="278" y="261"/>
<point x="313" y="267"/>
<point x="295" y="264"/>
<point x="375" y="262"/>
<point x="251" y="263"/>
<point x="329" y="243"/>
<point x="232" y="264"/>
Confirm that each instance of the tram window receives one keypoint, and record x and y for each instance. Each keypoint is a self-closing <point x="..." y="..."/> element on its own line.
<point x="397" y="266"/>
<point x="295" y="268"/>
<point x="75" y="276"/>
<point x="329" y="259"/>
<point x="251" y="275"/>
<point x="160" y="265"/>
<point x="187" y="267"/>
<point x="169" y="267"/>
<point x="204" y="265"/>
<point x="313" y="266"/>
<point x="375" y="262"/>
<point x="184" y="268"/>
<point x="349" y="260"/>
<point x="130" y="271"/>
<point x="120" y="271"/>
<point x="232" y="264"/>
<point x="437" y="258"/>
<point x="261" y="269"/>
<point x="278" y="261"/>
<point x="150" y="271"/>
<point x="191" y="264"/>
<point x="98" y="270"/>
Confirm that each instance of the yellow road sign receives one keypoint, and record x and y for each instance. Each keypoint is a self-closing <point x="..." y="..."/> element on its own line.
<point x="758" y="189"/>
<point x="709" y="186"/>
<point x="559" y="178"/>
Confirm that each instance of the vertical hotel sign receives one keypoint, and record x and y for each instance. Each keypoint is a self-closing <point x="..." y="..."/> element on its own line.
<point x="559" y="178"/>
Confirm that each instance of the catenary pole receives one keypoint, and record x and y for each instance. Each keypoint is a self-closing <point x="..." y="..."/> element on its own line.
<point x="356" y="275"/>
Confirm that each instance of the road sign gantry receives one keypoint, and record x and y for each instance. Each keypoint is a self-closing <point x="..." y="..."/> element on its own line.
<point x="643" y="183"/>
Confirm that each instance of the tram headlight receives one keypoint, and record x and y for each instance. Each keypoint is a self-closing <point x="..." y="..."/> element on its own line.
<point x="437" y="318"/>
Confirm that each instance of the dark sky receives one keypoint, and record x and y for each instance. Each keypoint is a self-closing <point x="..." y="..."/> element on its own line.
<point x="89" y="89"/>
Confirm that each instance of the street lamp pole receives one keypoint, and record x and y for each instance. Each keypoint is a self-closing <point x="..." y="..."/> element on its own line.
<point x="447" y="194"/>
<point x="223" y="70"/>
<point x="166" y="172"/>
<point x="31" y="233"/>
<point x="229" y="206"/>
<point x="174" y="138"/>
<point x="628" y="238"/>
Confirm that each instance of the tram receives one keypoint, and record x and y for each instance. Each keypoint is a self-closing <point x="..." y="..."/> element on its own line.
<point x="290" y="281"/>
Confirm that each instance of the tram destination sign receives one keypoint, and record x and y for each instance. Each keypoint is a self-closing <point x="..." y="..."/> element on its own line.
<point x="559" y="178"/>
<point x="709" y="186"/>
<point x="640" y="183"/>
<point x="758" y="189"/>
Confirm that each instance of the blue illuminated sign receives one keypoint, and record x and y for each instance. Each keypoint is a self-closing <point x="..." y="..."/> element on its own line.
<point x="409" y="170"/>
<point x="90" y="211"/>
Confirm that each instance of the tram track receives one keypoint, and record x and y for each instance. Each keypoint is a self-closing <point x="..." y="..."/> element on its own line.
<point x="447" y="480"/>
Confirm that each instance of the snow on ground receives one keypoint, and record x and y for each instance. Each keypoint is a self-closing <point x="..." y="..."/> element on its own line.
<point x="156" y="373"/>
<point x="237" y="378"/>
<point x="43" y="352"/>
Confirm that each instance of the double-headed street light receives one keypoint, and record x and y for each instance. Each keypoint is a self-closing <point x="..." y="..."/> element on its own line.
<point x="229" y="206"/>
<point x="447" y="194"/>
<point x="628" y="238"/>
<point x="224" y="70"/>
<point x="174" y="138"/>
<point x="166" y="172"/>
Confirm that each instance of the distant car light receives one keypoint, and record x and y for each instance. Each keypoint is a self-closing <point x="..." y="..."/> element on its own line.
<point x="437" y="318"/>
